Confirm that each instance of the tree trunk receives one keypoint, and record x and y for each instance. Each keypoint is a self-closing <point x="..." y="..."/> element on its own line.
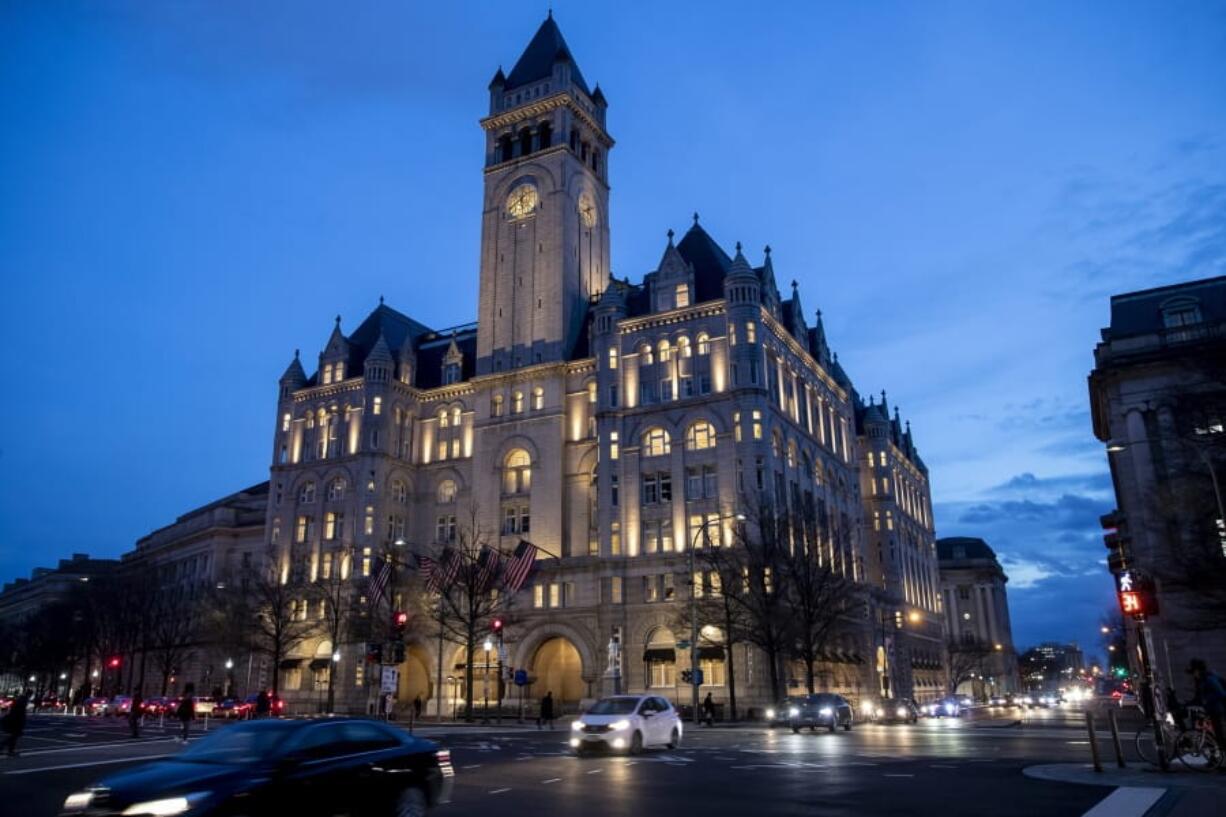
<point x="276" y="670"/>
<point x="469" y="648"/>
<point x="331" y="690"/>
<point x="809" y="674"/>
<point x="773" y="659"/>
<point x="730" y="664"/>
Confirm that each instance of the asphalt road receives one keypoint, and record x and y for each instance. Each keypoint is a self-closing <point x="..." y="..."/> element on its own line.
<point x="954" y="766"/>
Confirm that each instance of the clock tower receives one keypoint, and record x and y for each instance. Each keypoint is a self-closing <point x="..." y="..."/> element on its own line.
<point x="545" y="225"/>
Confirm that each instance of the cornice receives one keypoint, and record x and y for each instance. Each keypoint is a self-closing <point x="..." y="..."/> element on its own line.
<point x="534" y="109"/>
<point x="706" y="309"/>
<point x="783" y="335"/>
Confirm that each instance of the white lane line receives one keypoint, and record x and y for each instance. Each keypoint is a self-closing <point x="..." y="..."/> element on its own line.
<point x="551" y="780"/>
<point x="632" y="763"/>
<point x="84" y="765"/>
<point x="595" y="771"/>
<point x="1126" y="801"/>
<point x="498" y="791"/>
<point x="472" y="766"/>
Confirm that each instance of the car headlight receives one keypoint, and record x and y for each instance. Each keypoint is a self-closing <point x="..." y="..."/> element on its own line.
<point x="793" y="712"/>
<point x="770" y="714"/>
<point x="78" y="801"/>
<point x="949" y="708"/>
<point x="168" y="807"/>
<point x="878" y="712"/>
<point x="901" y="712"/>
<point x="867" y="707"/>
<point x="825" y="712"/>
<point x="618" y="726"/>
<point x="577" y="726"/>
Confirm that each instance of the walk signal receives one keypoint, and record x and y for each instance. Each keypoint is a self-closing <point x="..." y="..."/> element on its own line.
<point x="1136" y="594"/>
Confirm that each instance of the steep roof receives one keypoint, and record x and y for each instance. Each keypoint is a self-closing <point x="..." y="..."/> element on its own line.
<point x="709" y="260"/>
<point x="386" y="323"/>
<point x="958" y="548"/>
<point x="536" y="63"/>
<point x="1141" y="313"/>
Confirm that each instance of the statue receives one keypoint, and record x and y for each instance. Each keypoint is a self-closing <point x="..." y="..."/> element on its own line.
<point x="615" y="657"/>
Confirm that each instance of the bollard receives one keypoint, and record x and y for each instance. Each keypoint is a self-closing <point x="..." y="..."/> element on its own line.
<point x="1098" y="765"/>
<point x="1115" y="738"/>
<point x="206" y="721"/>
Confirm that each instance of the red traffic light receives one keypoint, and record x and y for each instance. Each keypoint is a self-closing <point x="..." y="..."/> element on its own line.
<point x="496" y="625"/>
<point x="113" y="663"/>
<point x="400" y="619"/>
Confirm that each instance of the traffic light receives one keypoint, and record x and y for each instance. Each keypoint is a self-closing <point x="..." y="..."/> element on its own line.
<point x="686" y="676"/>
<point x="1117" y="540"/>
<point x="496" y="626"/>
<point x="400" y="620"/>
<point x="113" y="662"/>
<point x="398" y="652"/>
<point x="1136" y="594"/>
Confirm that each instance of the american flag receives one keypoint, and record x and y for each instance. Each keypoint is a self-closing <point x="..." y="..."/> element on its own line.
<point x="487" y="568"/>
<point x="429" y="570"/>
<point x="519" y="566"/>
<point x="447" y="568"/>
<point x="378" y="581"/>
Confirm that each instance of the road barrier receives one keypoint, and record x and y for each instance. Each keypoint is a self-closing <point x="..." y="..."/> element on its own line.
<point x="1098" y="765"/>
<point x="1115" y="738"/>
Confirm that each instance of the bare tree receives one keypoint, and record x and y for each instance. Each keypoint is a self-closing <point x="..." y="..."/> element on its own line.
<point x="280" y="620"/>
<point x="340" y="610"/>
<point x="967" y="659"/>
<point x="171" y="632"/>
<point x="716" y="608"/>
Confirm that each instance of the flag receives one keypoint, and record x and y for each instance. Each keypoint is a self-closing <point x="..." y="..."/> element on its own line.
<point x="378" y="581"/>
<point x="487" y="568"/>
<point x="429" y="570"/>
<point x="519" y="566"/>
<point x="446" y="570"/>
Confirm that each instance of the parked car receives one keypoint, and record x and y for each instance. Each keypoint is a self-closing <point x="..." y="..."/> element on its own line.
<point x="305" y="768"/>
<point x="822" y="709"/>
<point x="276" y="704"/>
<point x="119" y="705"/>
<point x="629" y="722"/>
<point x="948" y="707"/>
<point x="203" y="706"/>
<point x="94" y="705"/>
<point x="156" y="705"/>
<point x="232" y="708"/>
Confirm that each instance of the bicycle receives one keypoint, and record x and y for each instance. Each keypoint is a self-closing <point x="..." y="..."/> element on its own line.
<point x="1196" y="748"/>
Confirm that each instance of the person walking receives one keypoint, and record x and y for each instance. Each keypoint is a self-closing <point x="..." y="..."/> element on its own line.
<point x="14" y="723"/>
<point x="1209" y="691"/>
<point x="708" y="710"/>
<point x="417" y="708"/>
<point x="545" y="721"/>
<point x="185" y="712"/>
<point x="136" y="714"/>
<point x="263" y="704"/>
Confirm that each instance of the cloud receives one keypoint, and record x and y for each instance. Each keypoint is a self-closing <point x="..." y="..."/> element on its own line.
<point x="1028" y="483"/>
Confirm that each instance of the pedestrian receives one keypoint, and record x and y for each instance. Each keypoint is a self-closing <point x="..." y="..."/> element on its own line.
<point x="136" y="713"/>
<point x="263" y="704"/>
<point x="185" y="712"/>
<point x="14" y="722"/>
<point x="545" y="721"/>
<point x="1209" y="691"/>
<point x="417" y="707"/>
<point x="708" y="710"/>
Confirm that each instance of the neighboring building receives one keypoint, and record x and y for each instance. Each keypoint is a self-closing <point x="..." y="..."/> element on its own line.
<point x="901" y="556"/>
<point x="976" y="608"/>
<point x="1158" y="403"/>
<point x="1051" y="666"/>
<point x="23" y="599"/>
<point x="605" y="421"/>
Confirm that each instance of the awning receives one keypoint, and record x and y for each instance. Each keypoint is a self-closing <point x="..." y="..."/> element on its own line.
<point x="659" y="654"/>
<point x="290" y="663"/>
<point x="320" y="663"/>
<point x="711" y="652"/>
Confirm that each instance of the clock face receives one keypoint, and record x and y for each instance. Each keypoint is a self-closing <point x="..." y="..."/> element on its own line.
<point x="587" y="211"/>
<point x="522" y="201"/>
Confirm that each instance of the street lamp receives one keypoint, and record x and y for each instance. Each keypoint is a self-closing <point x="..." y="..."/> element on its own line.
<point x="489" y="645"/>
<point x="739" y="517"/>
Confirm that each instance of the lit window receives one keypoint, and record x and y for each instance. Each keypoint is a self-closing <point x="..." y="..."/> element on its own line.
<point x="517" y="403"/>
<point x="496" y="406"/>
<point x="517" y="472"/>
<point x="538" y="398"/>
<point x="591" y="392"/>
<point x="332" y="525"/>
<point x="645" y="357"/>
<point x="736" y="425"/>
<point x="751" y="332"/>
<point x="446" y="491"/>
<point x="683" y="295"/>
<point x="538" y="596"/>
<point x="683" y="347"/>
<point x="612" y="358"/>
<point x="327" y="377"/>
<point x="615" y="590"/>
<point x="366" y="561"/>
<point x="368" y="525"/>
<point x="656" y="442"/>
<point x="378" y="405"/>
<point x="338" y="372"/>
<point x="700" y="436"/>
<point x="285" y="421"/>
<point x="613" y="448"/>
<point x="704" y="344"/>
<point x="757" y="424"/>
<point x="666" y="351"/>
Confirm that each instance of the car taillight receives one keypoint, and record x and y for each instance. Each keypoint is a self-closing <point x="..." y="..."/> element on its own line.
<point x="444" y="762"/>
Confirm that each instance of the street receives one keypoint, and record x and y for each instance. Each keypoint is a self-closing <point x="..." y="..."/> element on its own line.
<point x="962" y="766"/>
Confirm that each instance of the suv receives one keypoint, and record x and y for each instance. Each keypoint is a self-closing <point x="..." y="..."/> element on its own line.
<point x="823" y="709"/>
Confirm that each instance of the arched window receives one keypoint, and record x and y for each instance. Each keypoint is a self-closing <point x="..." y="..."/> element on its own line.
<point x="791" y="453"/>
<point x="443" y="418"/>
<point x="666" y="350"/>
<point x="338" y="372"/>
<point x="336" y="489"/>
<point x="683" y="347"/>
<point x="525" y="142"/>
<point x="455" y="417"/>
<point x="538" y="398"/>
<point x="700" y="436"/>
<point x="446" y="492"/>
<point x="307" y="492"/>
<point x="645" y="357"/>
<point x="704" y="343"/>
<point x="517" y="403"/>
<point x="517" y="472"/>
<point x="656" y="442"/>
<point x="285" y="421"/>
<point x="400" y="491"/>
<point x="496" y="407"/>
<point x="777" y="443"/>
<point x="544" y="136"/>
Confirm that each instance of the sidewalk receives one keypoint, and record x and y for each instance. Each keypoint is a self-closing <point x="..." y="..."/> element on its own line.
<point x="1134" y="775"/>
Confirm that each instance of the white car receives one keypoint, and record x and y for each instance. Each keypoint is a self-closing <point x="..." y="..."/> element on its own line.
<point x="627" y="722"/>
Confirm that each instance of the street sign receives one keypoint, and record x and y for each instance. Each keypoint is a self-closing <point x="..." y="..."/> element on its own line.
<point x="521" y="678"/>
<point x="390" y="680"/>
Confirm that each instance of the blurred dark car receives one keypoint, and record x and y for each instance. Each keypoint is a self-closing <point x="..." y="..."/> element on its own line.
<point x="233" y="708"/>
<point x="822" y="709"/>
<point x="156" y="705"/>
<point x="899" y="711"/>
<point x="273" y="767"/>
<point x="276" y="704"/>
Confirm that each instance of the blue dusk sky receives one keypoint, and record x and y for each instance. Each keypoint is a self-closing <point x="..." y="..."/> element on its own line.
<point x="190" y="191"/>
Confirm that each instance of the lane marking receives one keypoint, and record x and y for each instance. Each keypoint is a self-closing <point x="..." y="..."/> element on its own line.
<point x="85" y="765"/>
<point x="551" y="780"/>
<point x="595" y="771"/>
<point x="1126" y="801"/>
<point x="82" y="747"/>
<point x="499" y="791"/>
<point x="472" y="766"/>
<point x="887" y="774"/>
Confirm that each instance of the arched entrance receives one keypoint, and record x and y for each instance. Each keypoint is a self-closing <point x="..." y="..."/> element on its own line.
<point x="415" y="678"/>
<point x="557" y="668"/>
<point x="660" y="661"/>
<point x="485" y="680"/>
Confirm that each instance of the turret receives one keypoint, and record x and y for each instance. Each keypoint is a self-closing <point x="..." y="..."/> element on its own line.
<point x="293" y="379"/>
<point x="334" y="359"/>
<point x="379" y="363"/>
<point x="742" y="290"/>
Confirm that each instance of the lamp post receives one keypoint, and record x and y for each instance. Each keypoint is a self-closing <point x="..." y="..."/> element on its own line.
<point x="489" y="645"/>
<point x="739" y="517"/>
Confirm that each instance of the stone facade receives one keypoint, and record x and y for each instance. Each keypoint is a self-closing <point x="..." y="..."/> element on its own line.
<point x="1158" y="403"/>
<point x="976" y="608"/>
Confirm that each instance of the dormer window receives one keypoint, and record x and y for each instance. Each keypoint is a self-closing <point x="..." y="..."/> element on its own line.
<point x="683" y="295"/>
<point x="338" y="372"/>
<point x="327" y="374"/>
<point x="1178" y="313"/>
<point x="451" y="373"/>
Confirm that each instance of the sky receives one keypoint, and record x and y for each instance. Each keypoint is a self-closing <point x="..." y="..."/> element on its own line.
<point x="190" y="191"/>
